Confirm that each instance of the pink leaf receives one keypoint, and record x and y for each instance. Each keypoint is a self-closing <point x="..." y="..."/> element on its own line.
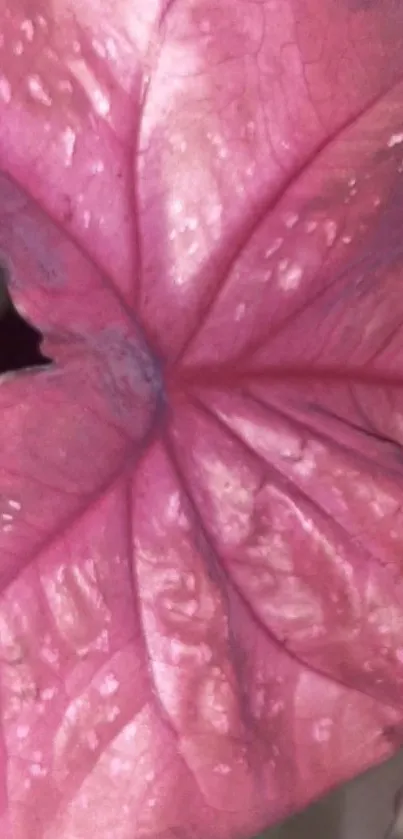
<point x="201" y="614"/>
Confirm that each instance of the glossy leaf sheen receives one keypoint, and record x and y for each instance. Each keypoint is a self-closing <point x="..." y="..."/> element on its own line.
<point x="201" y="614"/>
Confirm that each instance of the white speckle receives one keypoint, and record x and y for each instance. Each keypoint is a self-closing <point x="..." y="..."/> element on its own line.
<point x="177" y="206"/>
<point x="27" y="27"/>
<point x="289" y="275"/>
<point x="273" y="248"/>
<point x="150" y="776"/>
<point x="50" y="656"/>
<point x="42" y="22"/>
<point x="306" y="464"/>
<point x="330" y="230"/>
<point x="101" y="103"/>
<point x="193" y="248"/>
<point x="223" y="152"/>
<point x="48" y="694"/>
<point x="97" y="167"/>
<point x="191" y="223"/>
<point x="322" y="729"/>
<point x="205" y="25"/>
<point x="250" y="130"/>
<point x="181" y="653"/>
<point x="99" y="48"/>
<point x="291" y="220"/>
<point x="38" y="91"/>
<point x="101" y="643"/>
<point x="18" y="48"/>
<point x="7" y="517"/>
<point x="111" y="48"/>
<point x="395" y="139"/>
<point x="92" y="740"/>
<point x="346" y="240"/>
<point x="109" y="686"/>
<point x="112" y="713"/>
<point x="214" y="214"/>
<point x="65" y="86"/>
<point x="5" y="90"/>
<point x="376" y="202"/>
<point x="69" y="143"/>
<point x="240" y="311"/>
<point x="86" y="219"/>
<point x="118" y="766"/>
<point x="276" y="707"/>
<point x="76" y="47"/>
<point x="399" y="654"/>
<point x="222" y="769"/>
<point x="38" y="771"/>
<point x="22" y="732"/>
<point x="352" y="181"/>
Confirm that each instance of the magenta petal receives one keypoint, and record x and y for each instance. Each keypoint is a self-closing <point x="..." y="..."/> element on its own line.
<point x="201" y="613"/>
